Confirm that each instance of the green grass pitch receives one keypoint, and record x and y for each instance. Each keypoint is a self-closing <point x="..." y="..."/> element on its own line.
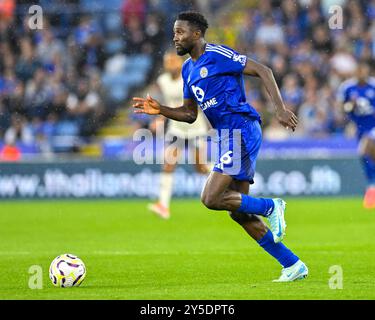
<point x="198" y="254"/>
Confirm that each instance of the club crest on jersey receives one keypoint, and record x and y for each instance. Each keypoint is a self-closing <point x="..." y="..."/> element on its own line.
<point x="203" y="72"/>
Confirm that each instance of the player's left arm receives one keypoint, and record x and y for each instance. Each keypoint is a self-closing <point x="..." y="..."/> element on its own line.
<point x="285" y="116"/>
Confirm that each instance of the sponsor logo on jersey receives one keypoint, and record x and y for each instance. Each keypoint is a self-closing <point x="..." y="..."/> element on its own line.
<point x="199" y="95"/>
<point x="209" y="103"/>
<point x="198" y="92"/>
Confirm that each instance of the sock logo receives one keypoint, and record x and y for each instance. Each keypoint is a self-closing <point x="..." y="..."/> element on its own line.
<point x="269" y="211"/>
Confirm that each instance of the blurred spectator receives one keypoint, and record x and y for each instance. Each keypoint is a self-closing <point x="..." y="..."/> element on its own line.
<point x="293" y="21"/>
<point x="19" y="131"/>
<point x="38" y="94"/>
<point x="27" y="62"/>
<point x="133" y="10"/>
<point x="86" y="106"/>
<point x="86" y="27"/>
<point x="246" y="32"/>
<point x="314" y="17"/>
<point x="313" y="119"/>
<point x="7" y="9"/>
<point x="4" y="118"/>
<point x="8" y="82"/>
<point x="15" y="102"/>
<point x="279" y="67"/>
<point x="154" y="34"/>
<point x="269" y="32"/>
<point x="48" y="48"/>
<point x="342" y="62"/>
<point x="291" y="92"/>
<point x="321" y="39"/>
<point x="91" y="55"/>
<point x="135" y="37"/>
<point x="264" y="9"/>
<point x="44" y="131"/>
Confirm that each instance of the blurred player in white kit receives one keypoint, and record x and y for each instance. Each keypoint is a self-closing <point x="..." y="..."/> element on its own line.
<point x="170" y="85"/>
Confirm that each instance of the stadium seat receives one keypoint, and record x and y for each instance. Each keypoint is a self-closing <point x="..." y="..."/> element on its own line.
<point x="65" y="137"/>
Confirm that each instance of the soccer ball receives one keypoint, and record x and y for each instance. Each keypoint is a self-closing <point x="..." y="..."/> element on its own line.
<point x="67" y="270"/>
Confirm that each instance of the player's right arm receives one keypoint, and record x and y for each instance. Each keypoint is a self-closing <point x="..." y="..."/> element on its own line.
<point x="285" y="116"/>
<point x="342" y="98"/>
<point x="186" y="113"/>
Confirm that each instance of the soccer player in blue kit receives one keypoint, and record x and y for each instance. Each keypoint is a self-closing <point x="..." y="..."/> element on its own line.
<point x="357" y="96"/>
<point x="213" y="81"/>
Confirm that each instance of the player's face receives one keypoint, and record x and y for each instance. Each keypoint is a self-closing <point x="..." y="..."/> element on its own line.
<point x="183" y="37"/>
<point x="363" y="72"/>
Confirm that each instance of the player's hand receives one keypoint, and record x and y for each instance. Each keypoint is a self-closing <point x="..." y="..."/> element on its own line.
<point x="148" y="105"/>
<point x="287" y="118"/>
<point x="349" y="107"/>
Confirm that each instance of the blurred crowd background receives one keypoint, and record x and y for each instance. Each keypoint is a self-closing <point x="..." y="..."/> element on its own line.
<point x="67" y="86"/>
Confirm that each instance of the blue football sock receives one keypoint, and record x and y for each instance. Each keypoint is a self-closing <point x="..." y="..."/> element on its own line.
<point x="278" y="250"/>
<point x="259" y="206"/>
<point x="369" y="167"/>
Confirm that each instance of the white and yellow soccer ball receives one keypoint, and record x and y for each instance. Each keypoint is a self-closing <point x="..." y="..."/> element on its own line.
<point x="67" y="270"/>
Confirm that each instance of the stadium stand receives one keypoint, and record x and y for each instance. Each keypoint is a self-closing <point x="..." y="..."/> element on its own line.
<point x="65" y="88"/>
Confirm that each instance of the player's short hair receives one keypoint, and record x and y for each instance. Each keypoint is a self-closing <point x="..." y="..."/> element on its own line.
<point x="195" y="19"/>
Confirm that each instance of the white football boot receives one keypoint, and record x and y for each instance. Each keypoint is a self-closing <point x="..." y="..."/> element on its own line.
<point x="297" y="271"/>
<point x="277" y="221"/>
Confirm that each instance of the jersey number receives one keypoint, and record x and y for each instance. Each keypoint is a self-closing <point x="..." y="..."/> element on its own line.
<point x="226" y="158"/>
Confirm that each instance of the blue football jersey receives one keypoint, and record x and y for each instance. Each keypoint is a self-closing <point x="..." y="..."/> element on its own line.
<point x="215" y="82"/>
<point x="363" y="98"/>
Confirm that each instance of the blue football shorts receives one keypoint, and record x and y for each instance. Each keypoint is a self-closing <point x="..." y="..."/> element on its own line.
<point x="237" y="151"/>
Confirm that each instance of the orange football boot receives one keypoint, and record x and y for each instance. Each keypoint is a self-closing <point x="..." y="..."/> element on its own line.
<point x="369" y="199"/>
<point x="159" y="209"/>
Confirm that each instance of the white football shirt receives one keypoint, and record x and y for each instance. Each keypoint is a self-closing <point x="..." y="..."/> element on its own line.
<point x="172" y="90"/>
